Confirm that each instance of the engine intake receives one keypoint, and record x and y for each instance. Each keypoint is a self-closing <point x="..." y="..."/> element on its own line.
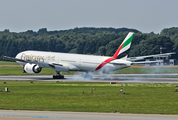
<point x="32" y="68"/>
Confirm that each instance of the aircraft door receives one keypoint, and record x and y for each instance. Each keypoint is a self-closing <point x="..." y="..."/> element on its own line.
<point x="58" y="59"/>
<point x="80" y="62"/>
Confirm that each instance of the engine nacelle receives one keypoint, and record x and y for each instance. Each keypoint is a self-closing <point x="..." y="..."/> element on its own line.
<point x="32" y="68"/>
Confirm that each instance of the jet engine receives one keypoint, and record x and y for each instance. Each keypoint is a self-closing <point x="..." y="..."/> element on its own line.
<point x="32" y="68"/>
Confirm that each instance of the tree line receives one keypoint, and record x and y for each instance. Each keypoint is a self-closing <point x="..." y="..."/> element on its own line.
<point x="96" y="41"/>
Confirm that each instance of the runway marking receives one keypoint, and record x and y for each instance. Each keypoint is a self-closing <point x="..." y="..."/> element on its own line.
<point x="21" y="116"/>
<point x="34" y="115"/>
<point x="48" y="117"/>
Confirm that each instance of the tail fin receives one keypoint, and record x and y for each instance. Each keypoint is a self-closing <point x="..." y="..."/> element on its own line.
<point x="122" y="51"/>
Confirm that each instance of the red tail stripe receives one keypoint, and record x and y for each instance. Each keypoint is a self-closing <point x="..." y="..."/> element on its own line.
<point x="101" y="65"/>
<point x="110" y="59"/>
<point x="117" y="52"/>
<point x="104" y="63"/>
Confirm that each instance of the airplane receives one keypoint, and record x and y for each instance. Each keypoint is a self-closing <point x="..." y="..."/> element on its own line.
<point x="34" y="61"/>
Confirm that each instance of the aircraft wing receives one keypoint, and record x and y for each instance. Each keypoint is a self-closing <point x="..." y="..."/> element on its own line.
<point x="40" y="64"/>
<point x="28" y="61"/>
<point x="148" y="56"/>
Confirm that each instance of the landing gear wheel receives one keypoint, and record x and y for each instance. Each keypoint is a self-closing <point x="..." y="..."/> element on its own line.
<point x="58" y="76"/>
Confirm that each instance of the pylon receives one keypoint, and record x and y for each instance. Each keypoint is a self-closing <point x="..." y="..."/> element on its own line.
<point x="121" y="90"/>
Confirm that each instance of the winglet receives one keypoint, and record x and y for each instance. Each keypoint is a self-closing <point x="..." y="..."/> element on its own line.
<point x="123" y="49"/>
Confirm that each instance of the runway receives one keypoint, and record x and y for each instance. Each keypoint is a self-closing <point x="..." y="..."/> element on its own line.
<point x="53" y="115"/>
<point x="126" y="78"/>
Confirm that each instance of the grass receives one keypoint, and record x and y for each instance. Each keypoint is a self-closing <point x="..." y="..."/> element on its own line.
<point x="8" y="63"/>
<point x="19" y="71"/>
<point x="147" y="98"/>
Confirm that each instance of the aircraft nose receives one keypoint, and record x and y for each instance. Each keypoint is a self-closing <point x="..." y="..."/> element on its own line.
<point x="18" y="55"/>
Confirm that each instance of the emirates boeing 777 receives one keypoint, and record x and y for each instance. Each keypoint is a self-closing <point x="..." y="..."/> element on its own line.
<point x="34" y="61"/>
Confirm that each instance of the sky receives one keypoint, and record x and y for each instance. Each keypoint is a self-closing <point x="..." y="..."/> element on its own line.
<point x="144" y="15"/>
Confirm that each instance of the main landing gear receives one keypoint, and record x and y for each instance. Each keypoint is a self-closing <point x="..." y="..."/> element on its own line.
<point x="58" y="76"/>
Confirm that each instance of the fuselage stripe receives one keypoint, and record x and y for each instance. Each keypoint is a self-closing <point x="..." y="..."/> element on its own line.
<point x="117" y="52"/>
<point x="104" y="63"/>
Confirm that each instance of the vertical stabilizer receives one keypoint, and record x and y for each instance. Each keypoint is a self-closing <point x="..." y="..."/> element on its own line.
<point x="122" y="51"/>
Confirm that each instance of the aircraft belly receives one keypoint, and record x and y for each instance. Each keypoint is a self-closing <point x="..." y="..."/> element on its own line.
<point x="110" y="67"/>
<point x="87" y="67"/>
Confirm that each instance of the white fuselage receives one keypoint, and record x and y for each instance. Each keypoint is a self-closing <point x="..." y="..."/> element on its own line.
<point x="74" y="62"/>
